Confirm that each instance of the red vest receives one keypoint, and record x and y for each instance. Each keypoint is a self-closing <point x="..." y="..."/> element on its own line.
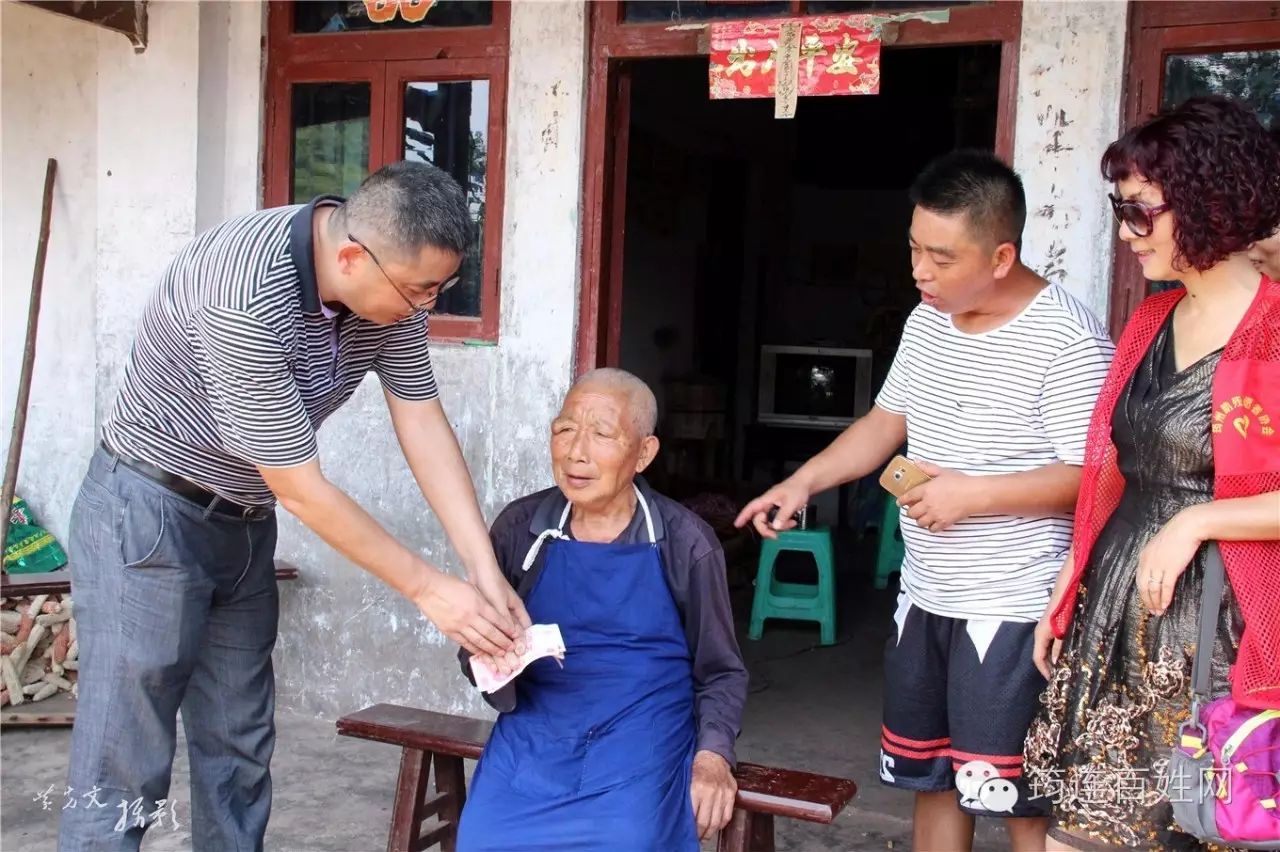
<point x="1246" y="457"/>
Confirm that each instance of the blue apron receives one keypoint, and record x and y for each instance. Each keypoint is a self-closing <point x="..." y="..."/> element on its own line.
<point x="598" y="754"/>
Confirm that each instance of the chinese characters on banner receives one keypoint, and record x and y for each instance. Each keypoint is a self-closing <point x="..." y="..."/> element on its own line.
<point x="836" y="56"/>
<point x="382" y="11"/>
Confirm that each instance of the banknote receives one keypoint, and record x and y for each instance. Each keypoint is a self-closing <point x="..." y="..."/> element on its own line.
<point x="540" y="640"/>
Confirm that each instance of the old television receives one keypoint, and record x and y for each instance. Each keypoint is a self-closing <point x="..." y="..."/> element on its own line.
<point x="813" y="387"/>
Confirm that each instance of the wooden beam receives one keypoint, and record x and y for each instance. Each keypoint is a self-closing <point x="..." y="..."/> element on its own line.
<point x="127" y="17"/>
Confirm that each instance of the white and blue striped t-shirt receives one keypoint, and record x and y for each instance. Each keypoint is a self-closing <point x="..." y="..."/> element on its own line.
<point x="237" y="363"/>
<point x="1008" y="400"/>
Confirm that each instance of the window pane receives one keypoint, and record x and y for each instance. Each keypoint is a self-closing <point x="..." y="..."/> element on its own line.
<point x="648" y="11"/>
<point x="337" y="16"/>
<point x="1251" y="76"/>
<point x="853" y="7"/>
<point x="447" y="124"/>
<point x="330" y="138"/>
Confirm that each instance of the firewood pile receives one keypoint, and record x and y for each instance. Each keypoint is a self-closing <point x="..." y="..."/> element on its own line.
<point x="39" y="656"/>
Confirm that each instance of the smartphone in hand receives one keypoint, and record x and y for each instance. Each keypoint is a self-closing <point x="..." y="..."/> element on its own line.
<point x="902" y="475"/>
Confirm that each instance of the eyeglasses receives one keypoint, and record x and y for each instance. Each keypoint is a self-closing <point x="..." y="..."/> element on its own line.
<point x="1139" y="217"/>
<point x="432" y="292"/>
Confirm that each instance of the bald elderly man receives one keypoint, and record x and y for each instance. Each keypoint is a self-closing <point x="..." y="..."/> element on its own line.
<point x="629" y="745"/>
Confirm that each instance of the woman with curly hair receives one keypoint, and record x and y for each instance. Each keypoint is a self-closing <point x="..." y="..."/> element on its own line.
<point x="1183" y="450"/>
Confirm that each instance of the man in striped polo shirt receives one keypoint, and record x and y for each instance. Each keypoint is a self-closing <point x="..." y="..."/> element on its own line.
<point x="259" y="329"/>
<point x="992" y="389"/>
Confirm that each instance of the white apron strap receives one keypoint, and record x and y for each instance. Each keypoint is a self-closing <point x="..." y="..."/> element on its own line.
<point x="558" y="532"/>
<point x="648" y="518"/>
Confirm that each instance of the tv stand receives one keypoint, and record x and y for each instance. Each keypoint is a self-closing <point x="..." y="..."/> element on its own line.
<point x="804" y="423"/>
<point x="778" y="443"/>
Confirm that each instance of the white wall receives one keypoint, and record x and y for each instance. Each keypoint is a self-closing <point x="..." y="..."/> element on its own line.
<point x="345" y="639"/>
<point x="157" y="146"/>
<point x="1070" y="76"/>
<point x="49" y="108"/>
<point x="148" y="125"/>
<point x="131" y="133"/>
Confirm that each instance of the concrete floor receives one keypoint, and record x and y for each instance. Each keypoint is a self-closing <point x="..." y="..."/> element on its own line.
<point x="816" y="709"/>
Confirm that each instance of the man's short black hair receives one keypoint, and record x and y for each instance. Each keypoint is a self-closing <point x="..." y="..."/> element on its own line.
<point x="979" y="185"/>
<point x="407" y="206"/>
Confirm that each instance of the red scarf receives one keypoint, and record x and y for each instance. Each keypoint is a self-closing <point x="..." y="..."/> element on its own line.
<point x="1246" y="459"/>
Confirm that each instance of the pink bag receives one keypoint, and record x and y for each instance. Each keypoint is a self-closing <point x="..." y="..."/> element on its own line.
<point x="1224" y="774"/>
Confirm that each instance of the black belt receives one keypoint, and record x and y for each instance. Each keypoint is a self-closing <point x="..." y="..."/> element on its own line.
<point x="204" y="498"/>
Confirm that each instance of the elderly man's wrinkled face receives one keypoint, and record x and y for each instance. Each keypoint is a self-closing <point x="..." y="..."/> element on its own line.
<point x="596" y="450"/>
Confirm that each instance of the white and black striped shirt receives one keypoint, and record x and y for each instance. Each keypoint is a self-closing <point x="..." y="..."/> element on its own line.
<point x="1009" y="400"/>
<point x="237" y="363"/>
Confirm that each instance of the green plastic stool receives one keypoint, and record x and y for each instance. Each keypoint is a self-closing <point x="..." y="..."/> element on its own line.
<point x="797" y="601"/>
<point x="890" y="553"/>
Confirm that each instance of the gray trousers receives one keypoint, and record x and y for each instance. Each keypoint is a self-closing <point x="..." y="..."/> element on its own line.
<point x="176" y="607"/>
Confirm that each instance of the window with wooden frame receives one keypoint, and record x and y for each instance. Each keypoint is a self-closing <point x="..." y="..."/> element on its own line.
<point x="352" y="86"/>
<point x="1181" y="49"/>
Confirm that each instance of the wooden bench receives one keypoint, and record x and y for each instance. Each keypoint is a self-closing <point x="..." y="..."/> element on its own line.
<point x="442" y="741"/>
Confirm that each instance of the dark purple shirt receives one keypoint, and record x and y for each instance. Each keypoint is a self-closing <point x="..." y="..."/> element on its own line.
<point x="695" y="571"/>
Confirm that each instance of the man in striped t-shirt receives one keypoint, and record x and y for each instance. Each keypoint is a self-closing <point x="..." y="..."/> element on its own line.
<point x="259" y="330"/>
<point x="992" y="389"/>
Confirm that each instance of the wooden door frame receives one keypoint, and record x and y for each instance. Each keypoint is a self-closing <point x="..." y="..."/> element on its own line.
<point x="612" y="42"/>
<point x="1157" y="30"/>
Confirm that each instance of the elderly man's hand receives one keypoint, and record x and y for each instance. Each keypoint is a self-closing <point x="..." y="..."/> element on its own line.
<point x="714" y="791"/>
<point x="503" y="664"/>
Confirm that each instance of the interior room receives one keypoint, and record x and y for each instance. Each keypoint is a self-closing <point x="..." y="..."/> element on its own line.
<point x="766" y="279"/>
<point x="766" y="274"/>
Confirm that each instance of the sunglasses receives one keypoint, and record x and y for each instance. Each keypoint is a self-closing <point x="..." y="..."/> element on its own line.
<point x="1138" y="217"/>
<point x="432" y="292"/>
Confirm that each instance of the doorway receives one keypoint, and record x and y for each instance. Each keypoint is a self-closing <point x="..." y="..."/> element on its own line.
<point x="688" y="250"/>
<point x="723" y="242"/>
<point x="765" y="273"/>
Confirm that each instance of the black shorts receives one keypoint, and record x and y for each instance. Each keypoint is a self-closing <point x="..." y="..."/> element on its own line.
<point x="955" y="719"/>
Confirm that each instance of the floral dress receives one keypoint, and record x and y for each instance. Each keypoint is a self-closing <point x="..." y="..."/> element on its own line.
<point x="1100" y="744"/>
